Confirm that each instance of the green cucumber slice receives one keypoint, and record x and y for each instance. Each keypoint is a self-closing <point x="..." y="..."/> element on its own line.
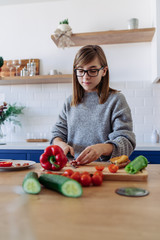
<point x="66" y="186"/>
<point x="31" y="184"/>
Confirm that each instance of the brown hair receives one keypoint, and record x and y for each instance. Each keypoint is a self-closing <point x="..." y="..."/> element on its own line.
<point x="84" y="56"/>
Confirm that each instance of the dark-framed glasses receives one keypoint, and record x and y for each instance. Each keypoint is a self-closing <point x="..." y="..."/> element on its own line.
<point x="91" y="72"/>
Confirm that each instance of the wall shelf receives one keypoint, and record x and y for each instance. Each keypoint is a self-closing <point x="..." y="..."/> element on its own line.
<point x="111" y="37"/>
<point x="45" y="79"/>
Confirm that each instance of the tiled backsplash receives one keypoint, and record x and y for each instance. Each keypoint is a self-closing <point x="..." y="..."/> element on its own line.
<point x="143" y="99"/>
<point x="44" y="101"/>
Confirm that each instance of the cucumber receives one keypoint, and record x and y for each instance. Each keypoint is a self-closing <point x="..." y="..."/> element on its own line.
<point x="66" y="186"/>
<point x="31" y="184"/>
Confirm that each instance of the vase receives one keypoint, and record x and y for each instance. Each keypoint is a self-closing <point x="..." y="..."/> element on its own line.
<point x="64" y="27"/>
<point x="155" y="136"/>
<point x="133" y="23"/>
<point x="2" y="135"/>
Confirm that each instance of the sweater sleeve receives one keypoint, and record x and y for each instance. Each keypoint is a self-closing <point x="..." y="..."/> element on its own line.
<point x="122" y="136"/>
<point x="60" y="128"/>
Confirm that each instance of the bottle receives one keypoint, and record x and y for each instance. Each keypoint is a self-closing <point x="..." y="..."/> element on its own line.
<point x="33" y="69"/>
<point x="155" y="136"/>
<point x="29" y="67"/>
<point x="24" y="72"/>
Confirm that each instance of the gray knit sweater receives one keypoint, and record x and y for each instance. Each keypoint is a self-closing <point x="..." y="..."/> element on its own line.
<point x="90" y="123"/>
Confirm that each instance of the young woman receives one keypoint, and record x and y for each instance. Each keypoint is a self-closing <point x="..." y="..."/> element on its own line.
<point x="95" y="122"/>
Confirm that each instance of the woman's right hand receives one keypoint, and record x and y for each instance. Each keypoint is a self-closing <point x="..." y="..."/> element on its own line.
<point x="65" y="147"/>
<point x="68" y="149"/>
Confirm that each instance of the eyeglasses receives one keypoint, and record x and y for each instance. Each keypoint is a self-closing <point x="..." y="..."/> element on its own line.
<point x="90" y="72"/>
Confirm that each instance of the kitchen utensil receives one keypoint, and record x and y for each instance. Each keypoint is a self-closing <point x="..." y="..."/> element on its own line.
<point x="16" y="64"/>
<point x="18" y="165"/>
<point x="132" y="192"/>
<point x="10" y="66"/>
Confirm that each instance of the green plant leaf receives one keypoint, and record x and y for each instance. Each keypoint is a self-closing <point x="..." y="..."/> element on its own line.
<point x="10" y="112"/>
<point x="65" y="21"/>
<point x="1" y="62"/>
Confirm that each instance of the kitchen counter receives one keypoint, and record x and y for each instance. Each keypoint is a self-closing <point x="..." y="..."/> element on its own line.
<point x="98" y="214"/>
<point x="33" y="150"/>
<point x="148" y="147"/>
<point x="43" y="145"/>
<point x="25" y="145"/>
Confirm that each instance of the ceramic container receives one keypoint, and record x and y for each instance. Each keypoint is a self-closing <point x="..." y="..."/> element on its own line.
<point x="133" y="23"/>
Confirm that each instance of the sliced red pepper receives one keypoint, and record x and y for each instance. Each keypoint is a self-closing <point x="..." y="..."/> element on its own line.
<point x="5" y="164"/>
<point x="53" y="158"/>
<point x="113" y="168"/>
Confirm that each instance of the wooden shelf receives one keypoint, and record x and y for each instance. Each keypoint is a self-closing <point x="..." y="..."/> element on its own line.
<point x="112" y="37"/>
<point x="64" y="78"/>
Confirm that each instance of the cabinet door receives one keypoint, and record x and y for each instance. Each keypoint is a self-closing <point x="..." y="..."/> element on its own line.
<point x="34" y="155"/>
<point x="14" y="156"/>
<point x="152" y="156"/>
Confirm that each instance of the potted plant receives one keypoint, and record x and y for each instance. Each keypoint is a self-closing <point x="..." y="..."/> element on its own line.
<point x="1" y="62"/>
<point x="9" y="113"/>
<point x="64" y="25"/>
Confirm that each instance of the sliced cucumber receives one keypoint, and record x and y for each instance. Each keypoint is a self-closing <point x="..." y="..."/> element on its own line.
<point x="66" y="186"/>
<point x="31" y="184"/>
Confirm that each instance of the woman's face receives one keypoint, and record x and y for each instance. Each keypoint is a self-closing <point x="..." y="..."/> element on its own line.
<point x="89" y="83"/>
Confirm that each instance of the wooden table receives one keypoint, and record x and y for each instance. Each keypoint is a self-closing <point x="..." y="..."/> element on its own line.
<point x="99" y="214"/>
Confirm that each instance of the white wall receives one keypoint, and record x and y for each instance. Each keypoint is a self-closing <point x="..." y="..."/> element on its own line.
<point x="27" y="28"/>
<point x="158" y="37"/>
<point x="26" y="33"/>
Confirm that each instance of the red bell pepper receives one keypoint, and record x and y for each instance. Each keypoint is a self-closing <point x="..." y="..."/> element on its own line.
<point x="5" y="164"/>
<point x="53" y="158"/>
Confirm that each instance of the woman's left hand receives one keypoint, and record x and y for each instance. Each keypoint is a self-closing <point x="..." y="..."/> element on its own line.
<point x="93" y="152"/>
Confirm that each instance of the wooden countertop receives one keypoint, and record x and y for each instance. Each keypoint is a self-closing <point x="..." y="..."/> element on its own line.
<point x="99" y="214"/>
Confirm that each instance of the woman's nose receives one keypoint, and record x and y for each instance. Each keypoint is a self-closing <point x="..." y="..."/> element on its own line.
<point x="86" y="75"/>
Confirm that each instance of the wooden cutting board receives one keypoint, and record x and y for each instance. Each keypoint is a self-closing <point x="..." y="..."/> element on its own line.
<point x="37" y="140"/>
<point x="120" y="175"/>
